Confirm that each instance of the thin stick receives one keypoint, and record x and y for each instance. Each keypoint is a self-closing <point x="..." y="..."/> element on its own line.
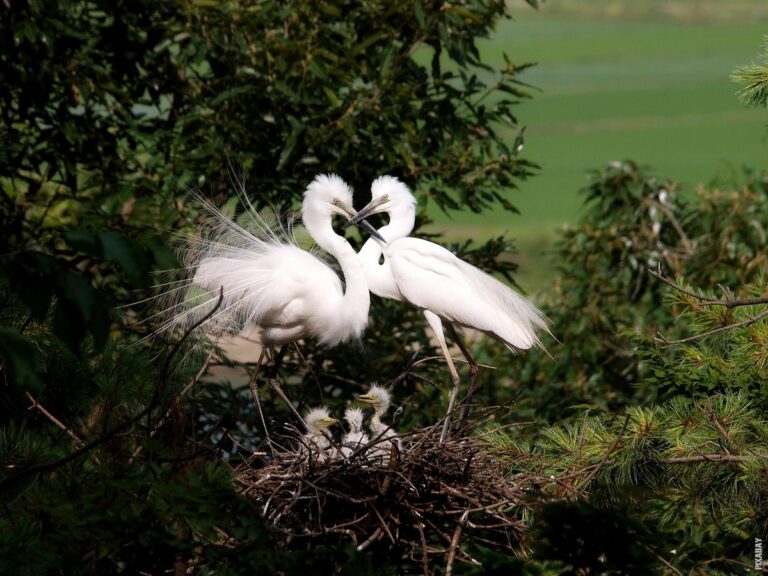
<point x="708" y="300"/>
<point x="424" y="553"/>
<point x="748" y="322"/>
<point x="710" y="458"/>
<point x="371" y="539"/>
<point x="167" y="413"/>
<point x="676" y="225"/>
<point x="39" y="407"/>
<point x="455" y="543"/>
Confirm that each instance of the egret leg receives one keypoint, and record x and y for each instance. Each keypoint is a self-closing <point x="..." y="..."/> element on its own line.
<point x="272" y="379"/>
<point x="254" y="386"/>
<point x="436" y="324"/>
<point x="305" y="388"/>
<point x="474" y="369"/>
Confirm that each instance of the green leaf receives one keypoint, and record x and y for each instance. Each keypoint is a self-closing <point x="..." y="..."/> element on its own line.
<point x="290" y="144"/>
<point x="118" y="249"/>
<point x="83" y="241"/>
<point x="18" y="357"/>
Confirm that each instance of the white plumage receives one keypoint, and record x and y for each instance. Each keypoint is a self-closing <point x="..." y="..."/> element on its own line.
<point x="269" y="282"/>
<point x="432" y="278"/>
<point x="317" y="441"/>
<point x="355" y="436"/>
<point x="380" y="399"/>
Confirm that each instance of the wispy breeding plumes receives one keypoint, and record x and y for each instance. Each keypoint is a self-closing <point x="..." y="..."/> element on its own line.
<point x="249" y="273"/>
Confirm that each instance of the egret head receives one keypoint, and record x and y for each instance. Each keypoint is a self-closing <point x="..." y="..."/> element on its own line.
<point x="354" y="418"/>
<point x="377" y="397"/>
<point x="318" y="420"/>
<point x="390" y="195"/>
<point x="325" y="196"/>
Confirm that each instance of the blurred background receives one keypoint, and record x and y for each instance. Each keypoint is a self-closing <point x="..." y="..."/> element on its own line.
<point x="618" y="79"/>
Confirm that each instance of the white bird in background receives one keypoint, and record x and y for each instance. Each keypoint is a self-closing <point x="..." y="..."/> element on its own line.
<point x="355" y="436"/>
<point x="317" y="439"/>
<point x="267" y="281"/>
<point x="379" y="398"/>
<point x="447" y="289"/>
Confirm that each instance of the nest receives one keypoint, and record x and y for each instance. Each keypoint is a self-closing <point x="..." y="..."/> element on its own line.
<point x="422" y="502"/>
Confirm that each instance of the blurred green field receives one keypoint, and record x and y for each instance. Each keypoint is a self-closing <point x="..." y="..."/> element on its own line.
<point x="622" y="84"/>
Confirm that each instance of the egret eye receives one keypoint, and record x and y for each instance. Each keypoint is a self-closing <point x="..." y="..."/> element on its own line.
<point x="336" y="201"/>
<point x="385" y="197"/>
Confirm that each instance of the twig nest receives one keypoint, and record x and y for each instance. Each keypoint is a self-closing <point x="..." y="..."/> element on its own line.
<point x="421" y="501"/>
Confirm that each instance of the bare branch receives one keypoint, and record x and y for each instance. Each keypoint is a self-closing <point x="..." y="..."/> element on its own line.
<point x="455" y="542"/>
<point x="709" y="458"/>
<point x="40" y="408"/>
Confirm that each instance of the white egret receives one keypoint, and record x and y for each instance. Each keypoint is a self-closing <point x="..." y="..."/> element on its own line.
<point x="379" y="398"/>
<point x="355" y="436"/>
<point x="317" y="439"/>
<point x="447" y="289"/>
<point x="267" y="281"/>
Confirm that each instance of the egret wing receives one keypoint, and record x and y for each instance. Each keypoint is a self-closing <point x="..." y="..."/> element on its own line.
<point x="433" y="278"/>
<point x="255" y="267"/>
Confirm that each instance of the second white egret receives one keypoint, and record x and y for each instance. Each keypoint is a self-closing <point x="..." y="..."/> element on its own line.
<point x="447" y="289"/>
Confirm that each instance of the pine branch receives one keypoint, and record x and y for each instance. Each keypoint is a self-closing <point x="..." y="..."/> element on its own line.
<point x="34" y="404"/>
<point x="118" y="429"/>
<point x="712" y="458"/>
<point x="755" y="76"/>
<point x="749" y="321"/>
<point x="607" y="454"/>
<point x="729" y="302"/>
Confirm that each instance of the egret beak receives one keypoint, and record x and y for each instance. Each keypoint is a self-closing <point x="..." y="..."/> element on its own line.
<point x="371" y="208"/>
<point x="351" y="214"/>
<point x="328" y="422"/>
<point x="370" y="229"/>
<point x="368" y="398"/>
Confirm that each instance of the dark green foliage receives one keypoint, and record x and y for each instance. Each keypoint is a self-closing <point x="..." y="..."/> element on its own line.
<point x="673" y="441"/>
<point x="109" y="113"/>
<point x="605" y="296"/>
<point x="114" y="458"/>
<point x="583" y="540"/>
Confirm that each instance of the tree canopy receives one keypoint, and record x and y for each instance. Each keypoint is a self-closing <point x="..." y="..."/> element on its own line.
<point x="639" y="437"/>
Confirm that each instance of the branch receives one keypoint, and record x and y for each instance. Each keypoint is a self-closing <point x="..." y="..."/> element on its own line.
<point x="708" y="300"/>
<point x="39" y="407"/>
<point x="742" y="324"/>
<point x="687" y="246"/>
<point x="110" y="434"/>
<point x="455" y="542"/>
<point x="602" y="463"/>
<point x="729" y="302"/>
<point x="707" y="458"/>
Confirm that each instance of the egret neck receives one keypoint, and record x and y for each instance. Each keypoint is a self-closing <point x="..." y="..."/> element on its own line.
<point x="380" y="279"/>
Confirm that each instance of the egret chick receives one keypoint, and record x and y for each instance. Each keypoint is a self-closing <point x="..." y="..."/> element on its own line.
<point x="317" y="440"/>
<point x="379" y="399"/>
<point x="355" y="436"/>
